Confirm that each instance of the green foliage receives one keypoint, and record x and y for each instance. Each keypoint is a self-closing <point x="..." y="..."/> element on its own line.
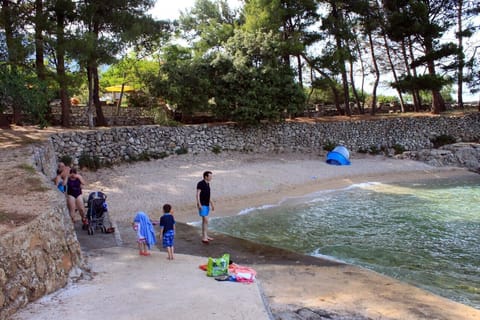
<point x="181" y="150"/>
<point x="246" y="84"/>
<point x="408" y="83"/>
<point x="147" y="156"/>
<point x="399" y="149"/>
<point x="442" y="140"/>
<point x="322" y="92"/>
<point x="4" y="216"/>
<point x="66" y="159"/>
<point x="21" y="91"/>
<point x="252" y="84"/>
<point x="216" y="149"/>
<point x="387" y="99"/>
<point x="140" y="99"/>
<point x="90" y="162"/>
<point x="183" y="81"/>
<point x="374" y="150"/>
<point x="27" y="168"/>
<point x="162" y="116"/>
<point x="130" y="70"/>
<point x="209" y="24"/>
<point x="159" y="155"/>
<point x="329" y="146"/>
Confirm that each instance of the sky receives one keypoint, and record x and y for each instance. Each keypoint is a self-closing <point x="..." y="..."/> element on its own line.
<point x="170" y="9"/>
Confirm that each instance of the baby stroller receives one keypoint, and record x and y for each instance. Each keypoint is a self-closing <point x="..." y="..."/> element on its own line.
<point x="97" y="211"/>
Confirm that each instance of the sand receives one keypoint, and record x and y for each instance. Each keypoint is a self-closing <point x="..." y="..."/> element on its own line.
<point x="242" y="181"/>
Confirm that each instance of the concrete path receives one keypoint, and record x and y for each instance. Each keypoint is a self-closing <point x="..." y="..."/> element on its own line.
<point x="125" y="285"/>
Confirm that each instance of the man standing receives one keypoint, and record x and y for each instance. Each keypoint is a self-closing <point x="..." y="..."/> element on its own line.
<point x="204" y="203"/>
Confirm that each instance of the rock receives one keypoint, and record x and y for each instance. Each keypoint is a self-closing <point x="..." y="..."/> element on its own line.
<point x="462" y="154"/>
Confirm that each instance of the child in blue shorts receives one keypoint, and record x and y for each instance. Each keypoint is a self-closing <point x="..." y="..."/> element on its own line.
<point x="167" y="229"/>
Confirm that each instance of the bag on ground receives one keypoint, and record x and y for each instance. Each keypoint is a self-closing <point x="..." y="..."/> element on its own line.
<point x="218" y="266"/>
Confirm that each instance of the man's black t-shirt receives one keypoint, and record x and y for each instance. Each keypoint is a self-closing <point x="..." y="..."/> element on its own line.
<point x="204" y="188"/>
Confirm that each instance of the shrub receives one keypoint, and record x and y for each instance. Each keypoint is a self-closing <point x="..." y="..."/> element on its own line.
<point x="374" y="150"/>
<point x="329" y="146"/>
<point x="89" y="162"/>
<point x="66" y="159"/>
<point x="141" y="99"/>
<point x="216" y="149"/>
<point x="27" y="168"/>
<point x="159" y="155"/>
<point x="399" y="149"/>
<point x="181" y="150"/>
<point x="442" y="140"/>
<point x="144" y="156"/>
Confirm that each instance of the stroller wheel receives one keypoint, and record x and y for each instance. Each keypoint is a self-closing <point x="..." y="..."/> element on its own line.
<point x="90" y="231"/>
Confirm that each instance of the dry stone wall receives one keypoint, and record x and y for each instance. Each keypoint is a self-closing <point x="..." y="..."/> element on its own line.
<point x="39" y="257"/>
<point x="118" y="144"/>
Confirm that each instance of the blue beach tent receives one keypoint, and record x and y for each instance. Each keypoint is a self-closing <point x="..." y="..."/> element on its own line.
<point x="339" y="156"/>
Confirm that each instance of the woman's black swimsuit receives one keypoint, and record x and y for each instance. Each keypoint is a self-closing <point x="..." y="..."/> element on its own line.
<point x="74" y="188"/>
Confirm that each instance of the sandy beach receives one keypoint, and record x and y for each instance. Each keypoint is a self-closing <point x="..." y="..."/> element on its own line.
<point x="243" y="181"/>
<point x="287" y="281"/>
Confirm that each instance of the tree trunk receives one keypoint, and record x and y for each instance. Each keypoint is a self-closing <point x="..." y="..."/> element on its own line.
<point x="101" y="122"/>
<point x="360" y="101"/>
<point x="461" y="55"/>
<point x="90" y="109"/>
<point x="61" y="74"/>
<point x="10" y="41"/>
<point x="438" y="103"/>
<point x="377" y="75"/>
<point x="300" y="73"/>
<point x="417" y="101"/>
<point x="39" y="27"/>
<point x="394" y="72"/>
<point x="336" y="94"/>
<point x="341" y="63"/>
<point x="354" y="90"/>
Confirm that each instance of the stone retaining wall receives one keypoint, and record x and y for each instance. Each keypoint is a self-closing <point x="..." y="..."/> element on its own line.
<point x="118" y="144"/>
<point x="38" y="258"/>
<point x="130" y="115"/>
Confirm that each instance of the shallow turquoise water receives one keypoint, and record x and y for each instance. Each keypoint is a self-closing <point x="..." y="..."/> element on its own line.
<point x="426" y="233"/>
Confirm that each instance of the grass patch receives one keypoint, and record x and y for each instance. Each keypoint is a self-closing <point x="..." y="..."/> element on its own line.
<point x="35" y="184"/>
<point x="4" y="216"/>
<point x="28" y="168"/>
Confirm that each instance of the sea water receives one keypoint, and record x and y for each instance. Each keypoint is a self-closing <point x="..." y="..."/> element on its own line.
<point x="425" y="233"/>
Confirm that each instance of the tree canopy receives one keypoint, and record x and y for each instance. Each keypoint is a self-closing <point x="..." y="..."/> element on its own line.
<point x="260" y="62"/>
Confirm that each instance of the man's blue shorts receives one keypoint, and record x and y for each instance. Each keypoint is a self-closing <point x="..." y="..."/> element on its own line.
<point x="204" y="211"/>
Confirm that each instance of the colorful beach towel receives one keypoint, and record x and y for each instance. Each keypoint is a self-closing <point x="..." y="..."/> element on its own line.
<point x="146" y="228"/>
<point x="237" y="273"/>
